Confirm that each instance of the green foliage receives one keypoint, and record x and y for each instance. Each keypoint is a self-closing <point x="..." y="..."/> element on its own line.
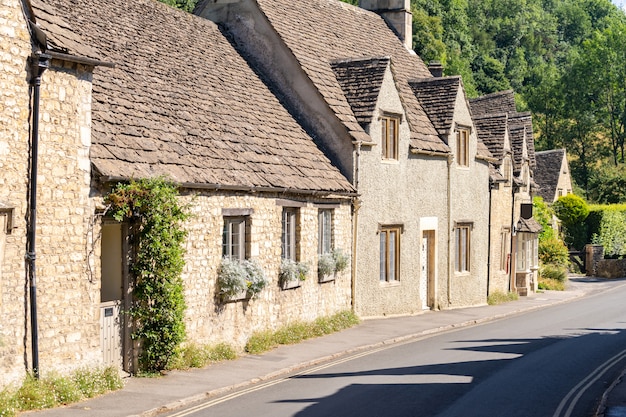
<point x="554" y="272"/>
<point x="296" y="332"/>
<point x="54" y="390"/>
<point x="543" y="214"/>
<point x="571" y="209"/>
<point x="292" y="271"/>
<point x="186" y="5"/>
<point x="499" y="297"/>
<point x="199" y="356"/>
<point x="550" y="284"/>
<point x="607" y="226"/>
<point x="553" y="251"/>
<point x="236" y="276"/>
<point x="156" y="217"/>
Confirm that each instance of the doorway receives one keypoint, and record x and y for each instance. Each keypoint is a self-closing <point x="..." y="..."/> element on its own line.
<point x="114" y="303"/>
<point x="427" y="275"/>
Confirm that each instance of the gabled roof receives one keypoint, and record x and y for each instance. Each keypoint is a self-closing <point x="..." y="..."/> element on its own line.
<point x="438" y="95"/>
<point x="181" y="102"/>
<point x="525" y="119"/>
<point x="494" y="103"/>
<point x="438" y="98"/>
<point x="361" y="81"/>
<point x="548" y="172"/>
<point x="492" y="130"/>
<point x="320" y="32"/>
<point x="517" y="136"/>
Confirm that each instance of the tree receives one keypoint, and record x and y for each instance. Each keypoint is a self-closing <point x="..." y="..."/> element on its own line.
<point x="186" y="5"/>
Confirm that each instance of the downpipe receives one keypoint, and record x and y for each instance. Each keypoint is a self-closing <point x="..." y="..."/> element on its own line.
<point x="38" y="63"/>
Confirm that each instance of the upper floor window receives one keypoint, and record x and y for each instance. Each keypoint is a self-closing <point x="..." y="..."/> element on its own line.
<point x="462" y="240"/>
<point x="390" y="253"/>
<point x="390" y="126"/>
<point x="462" y="146"/>
<point x="325" y="231"/>
<point x="289" y="233"/>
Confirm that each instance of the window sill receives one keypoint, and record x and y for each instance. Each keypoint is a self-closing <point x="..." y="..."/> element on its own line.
<point x="389" y="284"/>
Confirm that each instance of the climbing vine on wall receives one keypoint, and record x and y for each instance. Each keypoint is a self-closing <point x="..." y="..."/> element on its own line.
<point x="155" y="215"/>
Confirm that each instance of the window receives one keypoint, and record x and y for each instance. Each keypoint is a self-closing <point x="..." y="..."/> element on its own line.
<point x="289" y="230"/>
<point x="505" y="239"/>
<point x="462" y="239"/>
<point x="527" y="251"/>
<point x="389" y="140"/>
<point x="462" y="147"/>
<point x="325" y="235"/>
<point x="234" y="238"/>
<point x="390" y="253"/>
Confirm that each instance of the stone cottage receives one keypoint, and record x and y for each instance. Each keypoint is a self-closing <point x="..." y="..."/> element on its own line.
<point x="137" y="90"/>
<point x="493" y="113"/>
<point x="552" y="175"/>
<point x="347" y="74"/>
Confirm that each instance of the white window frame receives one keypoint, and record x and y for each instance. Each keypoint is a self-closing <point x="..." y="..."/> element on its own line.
<point x="389" y="253"/>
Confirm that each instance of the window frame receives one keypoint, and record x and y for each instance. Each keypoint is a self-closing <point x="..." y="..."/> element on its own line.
<point x="389" y="141"/>
<point x="325" y="218"/>
<point x="462" y="134"/>
<point x="505" y="241"/>
<point x="389" y="253"/>
<point x="290" y="220"/>
<point x="463" y="247"/>
<point x="240" y="225"/>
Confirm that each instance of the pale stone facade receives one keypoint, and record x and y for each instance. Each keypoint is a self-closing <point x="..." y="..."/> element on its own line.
<point x="66" y="293"/>
<point x="400" y="192"/>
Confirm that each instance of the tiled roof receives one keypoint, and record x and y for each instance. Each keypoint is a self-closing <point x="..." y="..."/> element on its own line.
<point x="438" y="95"/>
<point x="500" y="102"/>
<point x="438" y="99"/>
<point x="361" y="80"/>
<point x="525" y="119"/>
<point x="181" y="102"/>
<point x="59" y="34"/>
<point x="516" y="136"/>
<point x="528" y="225"/>
<point x="491" y="130"/>
<point x="319" y="32"/>
<point x="548" y="172"/>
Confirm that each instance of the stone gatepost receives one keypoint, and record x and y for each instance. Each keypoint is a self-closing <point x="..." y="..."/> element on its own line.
<point x="593" y="255"/>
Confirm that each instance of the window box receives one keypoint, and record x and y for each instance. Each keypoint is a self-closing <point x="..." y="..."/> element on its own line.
<point x="329" y="264"/>
<point x="239" y="280"/>
<point x="292" y="273"/>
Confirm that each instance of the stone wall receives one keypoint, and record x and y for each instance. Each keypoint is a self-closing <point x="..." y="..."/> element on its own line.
<point x="611" y="268"/>
<point x="67" y="316"/>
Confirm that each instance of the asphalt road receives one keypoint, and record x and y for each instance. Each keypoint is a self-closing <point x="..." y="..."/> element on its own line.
<point x="553" y="362"/>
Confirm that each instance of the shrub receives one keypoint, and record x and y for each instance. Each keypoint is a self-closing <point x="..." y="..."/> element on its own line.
<point x="543" y="214"/>
<point x="571" y="209"/>
<point x="610" y="231"/>
<point x="152" y="207"/>
<point x="553" y="251"/>
<point x="551" y="284"/>
<point x="554" y="272"/>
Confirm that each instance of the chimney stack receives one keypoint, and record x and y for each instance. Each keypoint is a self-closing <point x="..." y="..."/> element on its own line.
<point x="435" y="68"/>
<point x="397" y="14"/>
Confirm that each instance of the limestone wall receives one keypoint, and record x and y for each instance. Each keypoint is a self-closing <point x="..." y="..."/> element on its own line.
<point x="67" y="294"/>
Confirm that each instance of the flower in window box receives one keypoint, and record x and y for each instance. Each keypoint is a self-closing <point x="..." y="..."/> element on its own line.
<point x="292" y="273"/>
<point x="240" y="279"/>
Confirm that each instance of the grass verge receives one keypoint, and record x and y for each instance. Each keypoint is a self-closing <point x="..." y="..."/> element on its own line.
<point x="499" y="297"/>
<point x="199" y="356"/>
<point x="55" y="390"/>
<point x="296" y="332"/>
<point x="551" y="284"/>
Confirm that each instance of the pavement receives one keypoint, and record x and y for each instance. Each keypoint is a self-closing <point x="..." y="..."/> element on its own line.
<point x="147" y="397"/>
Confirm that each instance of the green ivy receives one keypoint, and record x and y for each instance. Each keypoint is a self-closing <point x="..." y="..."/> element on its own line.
<point x="155" y="215"/>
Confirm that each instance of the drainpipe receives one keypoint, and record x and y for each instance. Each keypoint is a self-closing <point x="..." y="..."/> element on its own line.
<point x="38" y="62"/>
<point x="449" y="232"/>
<point x="356" y="205"/>
<point x="489" y="240"/>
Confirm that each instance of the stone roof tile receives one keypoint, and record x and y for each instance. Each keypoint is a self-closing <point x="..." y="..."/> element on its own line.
<point x="181" y="102"/>
<point x="320" y="32"/>
<point x="548" y="172"/>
